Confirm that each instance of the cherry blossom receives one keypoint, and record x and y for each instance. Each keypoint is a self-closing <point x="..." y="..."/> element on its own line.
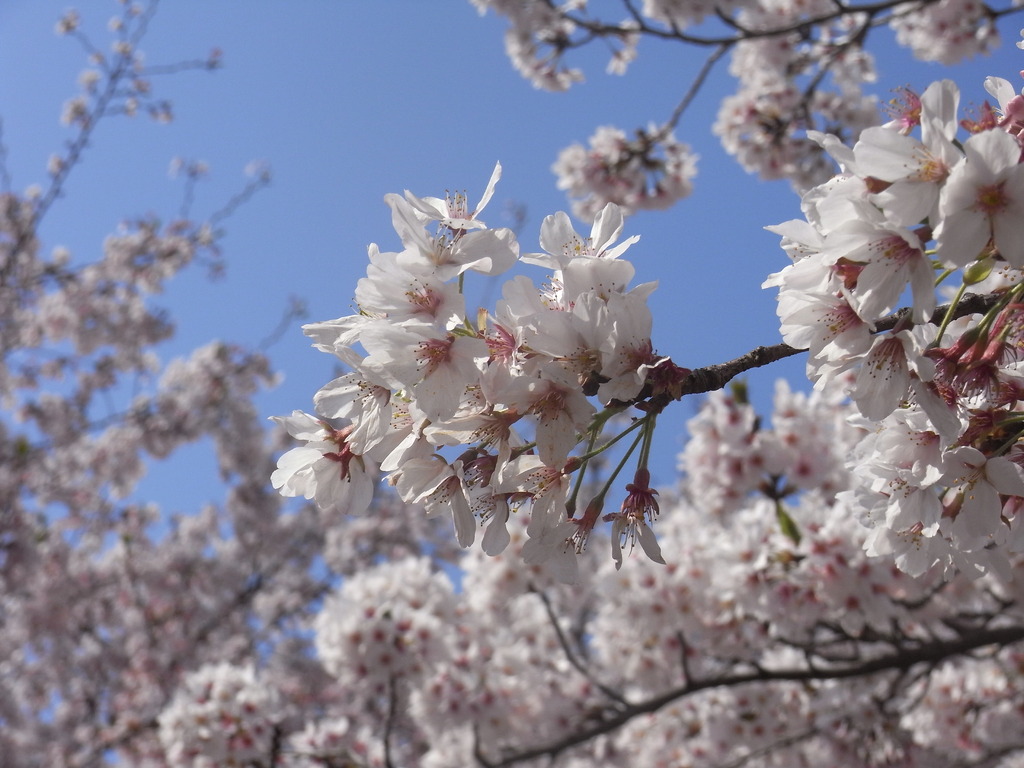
<point x="984" y="200"/>
<point x="220" y="716"/>
<point x="325" y="469"/>
<point x="652" y="171"/>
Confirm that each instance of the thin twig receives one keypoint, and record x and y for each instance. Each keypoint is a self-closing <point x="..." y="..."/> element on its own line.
<point x="251" y="188"/>
<point x="390" y="722"/>
<point x="611" y="693"/>
<point x="696" y="85"/>
<point x="5" y="175"/>
<point x="767" y="749"/>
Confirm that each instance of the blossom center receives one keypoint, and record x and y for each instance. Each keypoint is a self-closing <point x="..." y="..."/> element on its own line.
<point x="931" y="169"/>
<point x="425" y="299"/>
<point x="897" y="249"/>
<point x="905" y="109"/>
<point x="991" y="199"/>
<point x="433" y="353"/>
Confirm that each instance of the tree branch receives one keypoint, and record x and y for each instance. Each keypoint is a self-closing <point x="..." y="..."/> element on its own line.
<point x="696" y="85"/>
<point x="900" y="659"/>
<point x="611" y="693"/>
<point x="714" y="377"/>
<point x="598" y="28"/>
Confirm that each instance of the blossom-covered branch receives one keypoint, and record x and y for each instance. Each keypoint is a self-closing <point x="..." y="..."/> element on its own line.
<point x="717" y="376"/>
<point x="800" y="67"/>
<point x="901" y="658"/>
<point x="475" y="413"/>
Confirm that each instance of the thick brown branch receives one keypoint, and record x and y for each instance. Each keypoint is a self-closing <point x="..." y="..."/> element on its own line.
<point x="900" y="659"/>
<point x="714" y="377"/>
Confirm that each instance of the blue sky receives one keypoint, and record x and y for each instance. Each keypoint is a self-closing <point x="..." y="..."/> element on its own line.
<point x="347" y="101"/>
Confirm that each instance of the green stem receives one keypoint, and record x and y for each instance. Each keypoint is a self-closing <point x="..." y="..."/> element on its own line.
<point x="950" y="312"/>
<point x="599" y="498"/>
<point x="614" y="440"/>
<point x="595" y="430"/>
<point x="648" y="434"/>
<point x="946" y="273"/>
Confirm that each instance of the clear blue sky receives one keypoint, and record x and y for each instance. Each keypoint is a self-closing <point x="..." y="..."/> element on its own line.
<point x="350" y="100"/>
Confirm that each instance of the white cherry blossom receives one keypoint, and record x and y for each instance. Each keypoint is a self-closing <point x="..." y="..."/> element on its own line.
<point x="982" y="201"/>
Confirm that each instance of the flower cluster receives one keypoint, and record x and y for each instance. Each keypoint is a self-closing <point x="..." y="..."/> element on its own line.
<point x="386" y="623"/>
<point x="948" y="31"/>
<point x="799" y="65"/>
<point x="221" y="716"/>
<point x="938" y="475"/>
<point x="730" y="455"/>
<point x="652" y="171"/>
<point x="513" y="389"/>
<point x="790" y="83"/>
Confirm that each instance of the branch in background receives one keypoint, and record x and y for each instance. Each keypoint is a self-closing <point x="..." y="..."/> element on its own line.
<point x="563" y="641"/>
<point x="900" y="659"/>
